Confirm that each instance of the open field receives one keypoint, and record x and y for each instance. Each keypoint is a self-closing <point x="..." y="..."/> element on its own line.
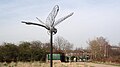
<point x="56" y="64"/>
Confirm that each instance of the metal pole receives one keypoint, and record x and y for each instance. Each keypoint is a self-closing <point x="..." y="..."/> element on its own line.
<point x="51" y="48"/>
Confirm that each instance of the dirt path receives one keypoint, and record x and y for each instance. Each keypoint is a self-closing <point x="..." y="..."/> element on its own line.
<point x="83" y="64"/>
<point x="96" y="65"/>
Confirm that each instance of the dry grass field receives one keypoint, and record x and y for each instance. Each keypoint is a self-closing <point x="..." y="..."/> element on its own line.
<point x="55" y="64"/>
<point x="39" y="64"/>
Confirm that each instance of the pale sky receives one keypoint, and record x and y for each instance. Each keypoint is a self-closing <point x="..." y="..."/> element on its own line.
<point x="92" y="18"/>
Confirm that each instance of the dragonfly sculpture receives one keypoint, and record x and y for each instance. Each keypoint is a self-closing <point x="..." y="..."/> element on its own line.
<point x="50" y="21"/>
<point x="50" y="25"/>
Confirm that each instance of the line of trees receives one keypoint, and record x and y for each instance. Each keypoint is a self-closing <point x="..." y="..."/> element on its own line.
<point x="25" y="51"/>
<point x="99" y="50"/>
<point x="30" y="51"/>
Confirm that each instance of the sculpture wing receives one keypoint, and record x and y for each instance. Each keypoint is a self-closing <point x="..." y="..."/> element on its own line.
<point x="51" y="17"/>
<point x="62" y="19"/>
<point x="30" y="23"/>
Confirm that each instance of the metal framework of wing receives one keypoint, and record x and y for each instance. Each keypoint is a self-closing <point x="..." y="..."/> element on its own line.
<point x="62" y="19"/>
<point x="51" y="17"/>
<point x="40" y="20"/>
<point x="30" y="23"/>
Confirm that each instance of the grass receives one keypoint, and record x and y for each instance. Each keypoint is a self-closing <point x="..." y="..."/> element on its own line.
<point x="41" y="64"/>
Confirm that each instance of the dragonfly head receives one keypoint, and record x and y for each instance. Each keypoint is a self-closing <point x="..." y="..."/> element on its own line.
<point x="54" y="30"/>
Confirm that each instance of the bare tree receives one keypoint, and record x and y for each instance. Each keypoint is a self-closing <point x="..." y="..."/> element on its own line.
<point x="94" y="48"/>
<point x="59" y="42"/>
<point x="62" y="44"/>
<point x="99" y="48"/>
